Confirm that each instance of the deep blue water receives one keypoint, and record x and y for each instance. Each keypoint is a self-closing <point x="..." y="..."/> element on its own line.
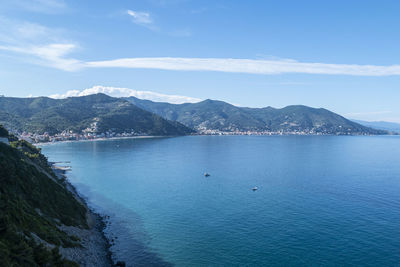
<point x="322" y="200"/>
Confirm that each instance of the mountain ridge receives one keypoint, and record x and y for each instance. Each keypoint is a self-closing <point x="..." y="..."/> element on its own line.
<point x="382" y="125"/>
<point x="220" y="116"/>
<point x="99" y="112"/>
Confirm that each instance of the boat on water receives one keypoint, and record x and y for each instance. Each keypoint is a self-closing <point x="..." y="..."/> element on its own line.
<point x="62" y="168"/>
<point x="255" y="188"/>
<point x="206" y="174"/>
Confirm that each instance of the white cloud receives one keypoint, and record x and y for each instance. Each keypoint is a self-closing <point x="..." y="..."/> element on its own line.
<point x="52" y="55"/>
<point x="31" y="31"/>
<point x="21" y="32"/>
<point x="126" y="92"/>
<point x="146" y="20"/>
<point x="57" y="55"/>
<point x="46" y="46"/>
<point x="140" y="17"/>
<point x="253" y="66"/>
<point x="38" y="44"/>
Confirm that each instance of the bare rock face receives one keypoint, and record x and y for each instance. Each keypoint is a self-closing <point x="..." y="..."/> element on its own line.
<point x="94" y="250"/>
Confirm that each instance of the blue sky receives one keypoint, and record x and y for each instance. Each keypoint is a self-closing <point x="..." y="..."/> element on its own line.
<point x="340" y="55"/>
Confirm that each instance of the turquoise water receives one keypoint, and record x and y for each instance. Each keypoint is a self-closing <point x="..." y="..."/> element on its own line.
<point x="322" y="200"/>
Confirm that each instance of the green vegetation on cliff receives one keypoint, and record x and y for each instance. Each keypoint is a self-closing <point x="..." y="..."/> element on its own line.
<point x="33" y="202"/>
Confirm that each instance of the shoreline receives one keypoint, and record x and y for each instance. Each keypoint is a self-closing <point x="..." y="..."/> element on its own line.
<point x="95" y="250"/>
<point x="100" y="139"/>
<point x="225" y="134"/>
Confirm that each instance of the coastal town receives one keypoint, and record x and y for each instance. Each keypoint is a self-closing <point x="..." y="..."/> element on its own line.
<point x="92" y="135"/>
<point x="71" y="136"/>
<point x="290" y="131"/>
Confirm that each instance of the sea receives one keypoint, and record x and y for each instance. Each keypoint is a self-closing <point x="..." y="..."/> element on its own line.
<point x="320" y="200"/>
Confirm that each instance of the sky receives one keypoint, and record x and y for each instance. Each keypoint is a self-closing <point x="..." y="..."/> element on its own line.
<point x="339" y="55"/>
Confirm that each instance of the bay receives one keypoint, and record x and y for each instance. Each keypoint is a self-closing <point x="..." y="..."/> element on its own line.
<point x="321" y="200"/>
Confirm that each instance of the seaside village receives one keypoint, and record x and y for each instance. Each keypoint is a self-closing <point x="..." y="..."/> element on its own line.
<point x="235" y="131"/>
<point x="92" y="132"/>
<point x="89" y="133"/>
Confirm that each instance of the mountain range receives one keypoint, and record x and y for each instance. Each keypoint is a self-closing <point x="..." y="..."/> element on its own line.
<point x="100" y="113"/>
<point x="381" y="125"/>
<point x="224" y="117"/>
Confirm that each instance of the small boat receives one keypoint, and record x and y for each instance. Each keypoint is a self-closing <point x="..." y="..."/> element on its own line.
<point x="62" y="168"/>
<point x="206" y="174"/>
<point x="255" y="188"/>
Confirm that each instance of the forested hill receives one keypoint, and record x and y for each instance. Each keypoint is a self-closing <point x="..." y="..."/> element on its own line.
<point x="99" y="113"/>
<point x="221" y="116"/>
<point x="33" y="203"/>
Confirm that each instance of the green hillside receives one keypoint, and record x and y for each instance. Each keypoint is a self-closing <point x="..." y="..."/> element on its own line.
<point x="42" y="114"/>
<point x="33" y="202"/>
<point x="218" y="115"/>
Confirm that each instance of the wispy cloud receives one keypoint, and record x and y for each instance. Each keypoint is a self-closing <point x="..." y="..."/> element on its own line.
<point x="51" y="55"/>
<point x="141" y="18"/>
<point x="22" y="32"/>
<point x="145" y="19"/>
<point x="38" y="44"/>
<point x="253" y="66"/>
<point x="47" y="46"/>
<point x="126" y="92"/>
<point x="24" y="40"/>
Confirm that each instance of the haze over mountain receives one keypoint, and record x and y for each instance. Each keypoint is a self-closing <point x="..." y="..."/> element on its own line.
<point x="381" y="125"/>
<point x="222" y="116"/>
<point x="99" y="112"/>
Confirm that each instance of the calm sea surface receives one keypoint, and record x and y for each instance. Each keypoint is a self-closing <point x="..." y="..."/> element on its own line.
<point x="322" y="200"/>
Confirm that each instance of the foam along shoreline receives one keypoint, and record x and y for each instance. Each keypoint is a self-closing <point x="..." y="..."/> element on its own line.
<point x="95" y="250"/>
<point x="100" y="139"/>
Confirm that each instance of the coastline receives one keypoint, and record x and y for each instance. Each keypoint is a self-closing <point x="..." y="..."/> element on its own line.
<point x="100" y="139"/>
<point x="200" y="134"/>
<point x="95" y="250"/>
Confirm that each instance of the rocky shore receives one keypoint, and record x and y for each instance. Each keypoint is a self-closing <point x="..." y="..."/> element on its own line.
<point x="94" y="250"/>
